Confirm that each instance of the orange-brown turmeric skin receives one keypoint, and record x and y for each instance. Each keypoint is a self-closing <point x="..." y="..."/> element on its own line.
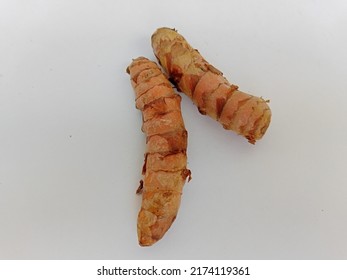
<point x="165" y="167"/>
<point x="210" y="91"/>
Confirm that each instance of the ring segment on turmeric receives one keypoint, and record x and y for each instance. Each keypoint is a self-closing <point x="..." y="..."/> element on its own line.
<point x="245" y="114"/>
<point x="165" y="167"/>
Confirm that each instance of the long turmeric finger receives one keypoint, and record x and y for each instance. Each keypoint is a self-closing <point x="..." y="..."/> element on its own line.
<point x="243" y="113"/>
<point x="165" y="167"/>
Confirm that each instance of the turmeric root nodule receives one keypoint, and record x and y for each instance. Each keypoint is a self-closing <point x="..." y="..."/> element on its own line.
<point x="243" y="113"/>
<point x="164" y="169"/>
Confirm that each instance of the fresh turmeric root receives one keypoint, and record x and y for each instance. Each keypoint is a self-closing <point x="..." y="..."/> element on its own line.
<point x="243" y="113"/>
<point x="165" y="167"/>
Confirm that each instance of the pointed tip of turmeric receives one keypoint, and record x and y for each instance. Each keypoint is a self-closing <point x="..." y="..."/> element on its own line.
<point x="146" y="242"/>
<point x="150" y="228"/>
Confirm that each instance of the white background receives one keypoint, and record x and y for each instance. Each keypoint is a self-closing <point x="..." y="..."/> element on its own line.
<point x="71" y="146"/>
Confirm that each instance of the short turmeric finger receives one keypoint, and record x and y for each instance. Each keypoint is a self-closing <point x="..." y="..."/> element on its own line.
<point x="165" y="167"/>
<point x="210" y="91"/>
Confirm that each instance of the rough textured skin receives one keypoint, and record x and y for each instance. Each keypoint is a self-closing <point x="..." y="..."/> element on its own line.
<point x="164" y="170"/>
<point x="243" y="113"/>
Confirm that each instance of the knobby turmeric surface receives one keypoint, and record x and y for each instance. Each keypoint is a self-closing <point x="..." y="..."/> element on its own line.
<point x="165" y="165"/>
<point x="211" y="92"/>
